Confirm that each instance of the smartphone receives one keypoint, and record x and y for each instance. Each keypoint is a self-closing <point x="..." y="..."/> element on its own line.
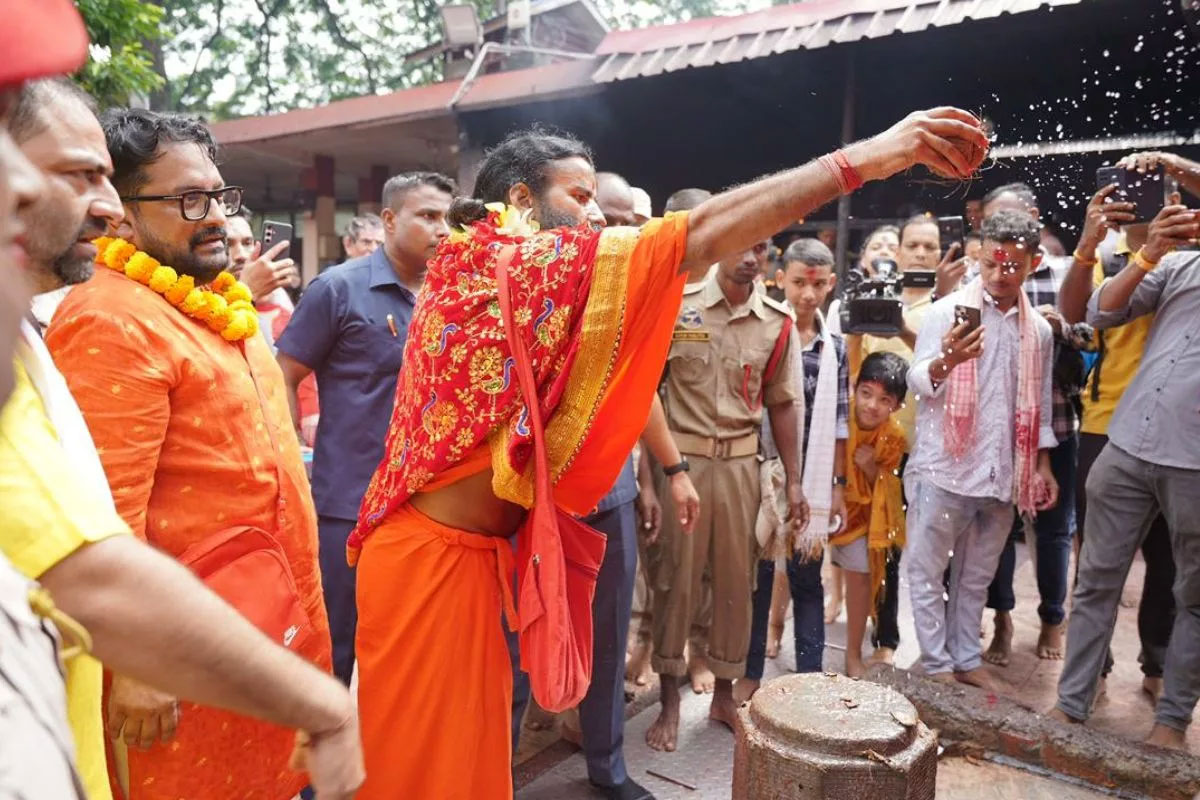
<point x="966" y="315"/>
<point x="951" y="230"/>
<point x="275" y="232"/>
<point x="1147" y="191"/>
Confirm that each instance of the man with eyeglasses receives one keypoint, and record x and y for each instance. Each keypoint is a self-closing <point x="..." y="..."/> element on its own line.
<point x="190" y="418"/>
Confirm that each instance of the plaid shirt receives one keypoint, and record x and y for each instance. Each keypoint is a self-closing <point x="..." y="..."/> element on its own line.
<point x="811" y="359"/>
<point x="1042" y="290"/>
<point x="812" y="369"/>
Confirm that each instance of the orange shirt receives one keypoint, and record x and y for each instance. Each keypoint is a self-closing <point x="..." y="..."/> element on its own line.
<point x="195" y="436"/>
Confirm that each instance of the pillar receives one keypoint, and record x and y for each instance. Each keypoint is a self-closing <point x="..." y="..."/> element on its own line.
<point x="370" y="189"/>
<point x="318" y="226"/>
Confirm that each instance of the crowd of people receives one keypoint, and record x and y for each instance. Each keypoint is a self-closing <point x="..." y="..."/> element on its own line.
<point x="490" y="378"/>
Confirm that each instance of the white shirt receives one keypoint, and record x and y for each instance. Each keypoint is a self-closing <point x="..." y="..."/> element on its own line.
<point x="986" y="470"/>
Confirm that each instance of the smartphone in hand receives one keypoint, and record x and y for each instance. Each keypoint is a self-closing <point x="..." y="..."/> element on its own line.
<point x="274" y="233"/>
<point x="951" y="230"/>
<point x="1148" y="191"/>
<point x="966" y="315"/>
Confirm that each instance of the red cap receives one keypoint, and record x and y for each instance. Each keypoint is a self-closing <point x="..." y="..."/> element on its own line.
<point x="40" y="38"/>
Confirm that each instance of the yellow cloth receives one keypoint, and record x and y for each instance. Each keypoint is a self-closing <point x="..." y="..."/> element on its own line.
<point x="1123" y="347"/>
<point x="914" y="315"/>
<point x="49" y="514"/>
<point x="875" y="509"/>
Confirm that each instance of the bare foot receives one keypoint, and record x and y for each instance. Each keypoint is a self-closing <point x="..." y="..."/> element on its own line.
<point x="1000" y="649"/>
<point x="1153" y="687"/>
<point x="882" y="655"/>
<point x="979" y="677"/>
<point x="1050" y="642"/>
<point x="702" y="677"/>
<point x="744" y="689"/>
<point x="724" y="707"/>
<point x="774" y="637"/>
<point x="1101" y="688"/>
<point x="637" y="666"/>
<point x="854" y="665"/>
<point x="664" y="733"/>
<point x="1162" y="736"/>
<point x="1061" y="716"/>
<point x="538" y="718"/>
<point x="942" y="677"/>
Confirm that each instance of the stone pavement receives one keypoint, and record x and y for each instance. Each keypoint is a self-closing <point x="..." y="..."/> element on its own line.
<point x="704" y="759"/>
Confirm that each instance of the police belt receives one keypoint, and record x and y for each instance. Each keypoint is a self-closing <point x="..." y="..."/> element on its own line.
<point x="737" y="447"/>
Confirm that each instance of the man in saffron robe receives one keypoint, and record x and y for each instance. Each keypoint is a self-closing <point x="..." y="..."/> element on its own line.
<point x="597" y="309"/>
<point x="191" y="422"/>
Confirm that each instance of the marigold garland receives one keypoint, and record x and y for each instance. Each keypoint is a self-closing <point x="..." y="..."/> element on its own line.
<point x="225" y="308"/>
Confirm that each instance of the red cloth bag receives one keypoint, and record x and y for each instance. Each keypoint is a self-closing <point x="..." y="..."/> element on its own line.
<point x="558" y="558"/>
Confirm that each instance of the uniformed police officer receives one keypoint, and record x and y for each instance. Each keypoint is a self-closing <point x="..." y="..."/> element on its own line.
<point x="729" y="359"/>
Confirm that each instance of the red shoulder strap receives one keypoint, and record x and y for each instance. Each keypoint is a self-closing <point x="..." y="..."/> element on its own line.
<point x="542" y="487"/>
<point x="777" y="353"/>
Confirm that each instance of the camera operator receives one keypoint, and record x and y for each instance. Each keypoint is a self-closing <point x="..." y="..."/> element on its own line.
<point x="1150" y="463"/>
<point x="879" y="246"/>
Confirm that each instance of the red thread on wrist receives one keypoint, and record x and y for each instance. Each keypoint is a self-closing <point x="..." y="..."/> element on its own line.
<point x="850" y="175"/>
<point x="829" y="163"/>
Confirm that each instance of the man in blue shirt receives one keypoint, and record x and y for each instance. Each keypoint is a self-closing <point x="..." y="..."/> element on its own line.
<point x="350" y="328"/>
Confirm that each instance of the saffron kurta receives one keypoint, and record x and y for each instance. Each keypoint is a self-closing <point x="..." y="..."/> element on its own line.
<point x="195" y="436"/>
<point x="597" y="310"/>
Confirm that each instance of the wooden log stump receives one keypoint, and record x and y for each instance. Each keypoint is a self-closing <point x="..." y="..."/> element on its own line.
<point x="826" y="737"/>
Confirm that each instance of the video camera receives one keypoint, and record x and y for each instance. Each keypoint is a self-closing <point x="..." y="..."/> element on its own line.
<point x="872" y="305"/>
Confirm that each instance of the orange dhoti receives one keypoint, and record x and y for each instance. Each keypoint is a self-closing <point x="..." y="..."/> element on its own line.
<point x="435" y="681"/>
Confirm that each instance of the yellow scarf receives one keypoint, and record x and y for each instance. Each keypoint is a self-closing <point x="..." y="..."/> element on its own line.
<point x="875" y="510"/>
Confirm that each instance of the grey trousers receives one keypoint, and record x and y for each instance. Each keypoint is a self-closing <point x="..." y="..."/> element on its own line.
<point x="968" y="534"/>
<point x="1124" y="495"/>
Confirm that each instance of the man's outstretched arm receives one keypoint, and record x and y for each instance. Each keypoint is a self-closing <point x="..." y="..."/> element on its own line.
<point x="735" y="220"/>
<point x="152" y="620"/>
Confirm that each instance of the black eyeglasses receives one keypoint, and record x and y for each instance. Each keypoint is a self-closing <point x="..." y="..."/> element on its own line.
<point x="194" y="205"/>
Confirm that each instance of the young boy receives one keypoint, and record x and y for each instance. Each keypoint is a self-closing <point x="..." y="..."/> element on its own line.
<point x="874" y="504"/>
<point x="983" y="443"/>
<point x="808" y="279"/>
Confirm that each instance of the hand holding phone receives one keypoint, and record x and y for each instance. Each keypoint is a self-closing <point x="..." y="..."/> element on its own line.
<point x="1148" y="191"/>
<point x="966" y="315"/>
<point x="276" y="233"/>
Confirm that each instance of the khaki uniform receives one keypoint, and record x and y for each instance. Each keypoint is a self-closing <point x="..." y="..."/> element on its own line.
<point x="714" y="399"/>
<point x="37" y="754"/>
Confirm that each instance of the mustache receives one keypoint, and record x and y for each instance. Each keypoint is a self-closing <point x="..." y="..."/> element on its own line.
<point x="92" y="228"/>
<point x="205" y="234"/>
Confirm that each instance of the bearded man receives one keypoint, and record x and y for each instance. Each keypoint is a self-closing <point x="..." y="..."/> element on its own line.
<point x="596" y="310"/>
<point x="190" y="418"/>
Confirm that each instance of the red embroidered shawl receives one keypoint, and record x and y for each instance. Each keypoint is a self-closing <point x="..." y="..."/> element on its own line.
<point x="456" y="386"/>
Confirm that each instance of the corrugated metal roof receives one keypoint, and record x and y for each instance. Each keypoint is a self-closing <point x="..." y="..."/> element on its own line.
<point x="808" y="26"/>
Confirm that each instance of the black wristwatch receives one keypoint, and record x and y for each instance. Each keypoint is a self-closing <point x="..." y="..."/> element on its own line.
<point x="675" y="469"/>
<point x="839" y="480"/>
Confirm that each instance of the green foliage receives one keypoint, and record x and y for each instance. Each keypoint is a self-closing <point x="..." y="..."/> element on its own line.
<point x="228" y="58"/>
<point x="120" y="28"/>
